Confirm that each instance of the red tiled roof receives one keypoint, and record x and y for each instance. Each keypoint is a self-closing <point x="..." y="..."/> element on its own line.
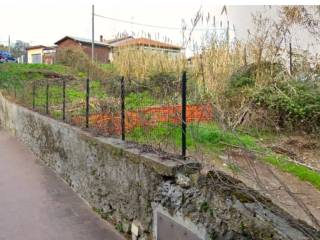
<point x="146" y="42"/>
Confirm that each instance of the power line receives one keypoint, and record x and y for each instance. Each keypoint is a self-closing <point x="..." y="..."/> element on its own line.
<point x="154" y="26"/>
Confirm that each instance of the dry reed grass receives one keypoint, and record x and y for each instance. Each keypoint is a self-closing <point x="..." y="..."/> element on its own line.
<point x="138" y="63"/>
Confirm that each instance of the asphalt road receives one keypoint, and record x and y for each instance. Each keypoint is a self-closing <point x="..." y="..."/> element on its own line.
<point x="35" y="204"/>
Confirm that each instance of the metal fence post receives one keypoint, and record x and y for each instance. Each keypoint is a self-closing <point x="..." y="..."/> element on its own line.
<point x="290" y="58"/>
<point x="47" y="97"/>
<point x="87" y="102"/>
<point x="63" y="100"/>
<point x="184" y="114"/>
<point x="122" y="96"/>
<point x="33" y="95"/>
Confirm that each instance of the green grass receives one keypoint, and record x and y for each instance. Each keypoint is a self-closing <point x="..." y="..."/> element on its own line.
<point x="139" y="100"/>
<point x="211" y="134"/>
<point x="214" y="140"/>
<point x="302" y="172"/>
<point x="74" y="92"/>
<point x="17" y="80"/>
<point x="207" y="135"/>
<point x="11" y="71"/>
<point x="96" y="90"/>
<point x="13" y="75"/>
<point x="108" y="66"/>
<point x="36" y="67"/>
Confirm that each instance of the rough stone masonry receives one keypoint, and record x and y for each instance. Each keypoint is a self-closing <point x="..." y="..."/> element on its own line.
<point x="129" y="188"/>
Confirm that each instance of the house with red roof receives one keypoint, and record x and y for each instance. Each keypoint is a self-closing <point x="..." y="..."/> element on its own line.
<point x="104" y="50"/>
<point x="142" y="43"/>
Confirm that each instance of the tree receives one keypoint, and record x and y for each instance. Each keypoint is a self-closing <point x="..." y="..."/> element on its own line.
<point x="19" y="48"/>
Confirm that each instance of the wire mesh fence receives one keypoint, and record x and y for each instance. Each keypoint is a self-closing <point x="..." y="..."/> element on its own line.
<point x="149" y="115"/>
<point x="163" y="114"/>
<point x="152" y="114"/>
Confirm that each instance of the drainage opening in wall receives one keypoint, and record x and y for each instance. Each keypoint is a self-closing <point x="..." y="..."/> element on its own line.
<point x="175" y="227"/>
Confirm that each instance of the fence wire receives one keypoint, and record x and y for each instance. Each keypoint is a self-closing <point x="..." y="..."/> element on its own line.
<point x="148" y="115"/>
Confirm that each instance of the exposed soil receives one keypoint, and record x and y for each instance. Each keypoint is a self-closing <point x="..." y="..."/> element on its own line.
<point x="299" y="198"/>
<point x="301" y="148"/>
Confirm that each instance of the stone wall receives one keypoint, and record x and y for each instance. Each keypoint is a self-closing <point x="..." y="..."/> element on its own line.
<point x="128" y="187"/>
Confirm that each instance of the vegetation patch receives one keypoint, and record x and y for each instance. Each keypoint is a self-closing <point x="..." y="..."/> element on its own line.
<point x="214" y="140"/>
<point x="302" y="172"/>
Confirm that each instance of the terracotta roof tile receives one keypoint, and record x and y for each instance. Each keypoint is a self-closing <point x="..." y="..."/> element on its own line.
<point x="146" y="42"/>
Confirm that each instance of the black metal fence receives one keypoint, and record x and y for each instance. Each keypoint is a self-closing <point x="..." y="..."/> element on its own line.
<point x="113" y="108"/>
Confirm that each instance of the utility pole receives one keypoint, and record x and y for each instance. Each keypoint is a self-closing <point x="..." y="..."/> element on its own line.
<point x="92" y="47"/>
<point x="227" y="33"/>
<point x="9" y="43"/>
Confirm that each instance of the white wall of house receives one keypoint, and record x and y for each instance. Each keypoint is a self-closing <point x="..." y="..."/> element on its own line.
<point x="35" y="55"/>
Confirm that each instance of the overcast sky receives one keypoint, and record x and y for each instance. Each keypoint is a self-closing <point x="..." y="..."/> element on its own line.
<point x="45" y="22"/>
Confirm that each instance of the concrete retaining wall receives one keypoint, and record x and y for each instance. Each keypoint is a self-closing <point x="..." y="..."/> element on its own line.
<point x="126" y="186"/>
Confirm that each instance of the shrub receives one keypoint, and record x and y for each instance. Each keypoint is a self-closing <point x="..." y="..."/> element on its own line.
<point x="262" y="96"/>
<point x="296" y="103"/>
<point x="163" y="84"/>
<point x="77" y="59"/>
<point x="255" y="74"/>
<point x="241" y="82"/>
<point x="73" y="57"/>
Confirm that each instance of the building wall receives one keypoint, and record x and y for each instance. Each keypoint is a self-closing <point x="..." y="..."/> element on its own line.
<point x="49" y="58"/>
<point x="34" y="51"/>
<point x="101" y="53"/>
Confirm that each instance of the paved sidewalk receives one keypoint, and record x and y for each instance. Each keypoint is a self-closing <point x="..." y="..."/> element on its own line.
<point x="37" y="205"/>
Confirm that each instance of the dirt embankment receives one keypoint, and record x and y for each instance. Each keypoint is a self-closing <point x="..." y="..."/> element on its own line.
<point x="299" y="198"/>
